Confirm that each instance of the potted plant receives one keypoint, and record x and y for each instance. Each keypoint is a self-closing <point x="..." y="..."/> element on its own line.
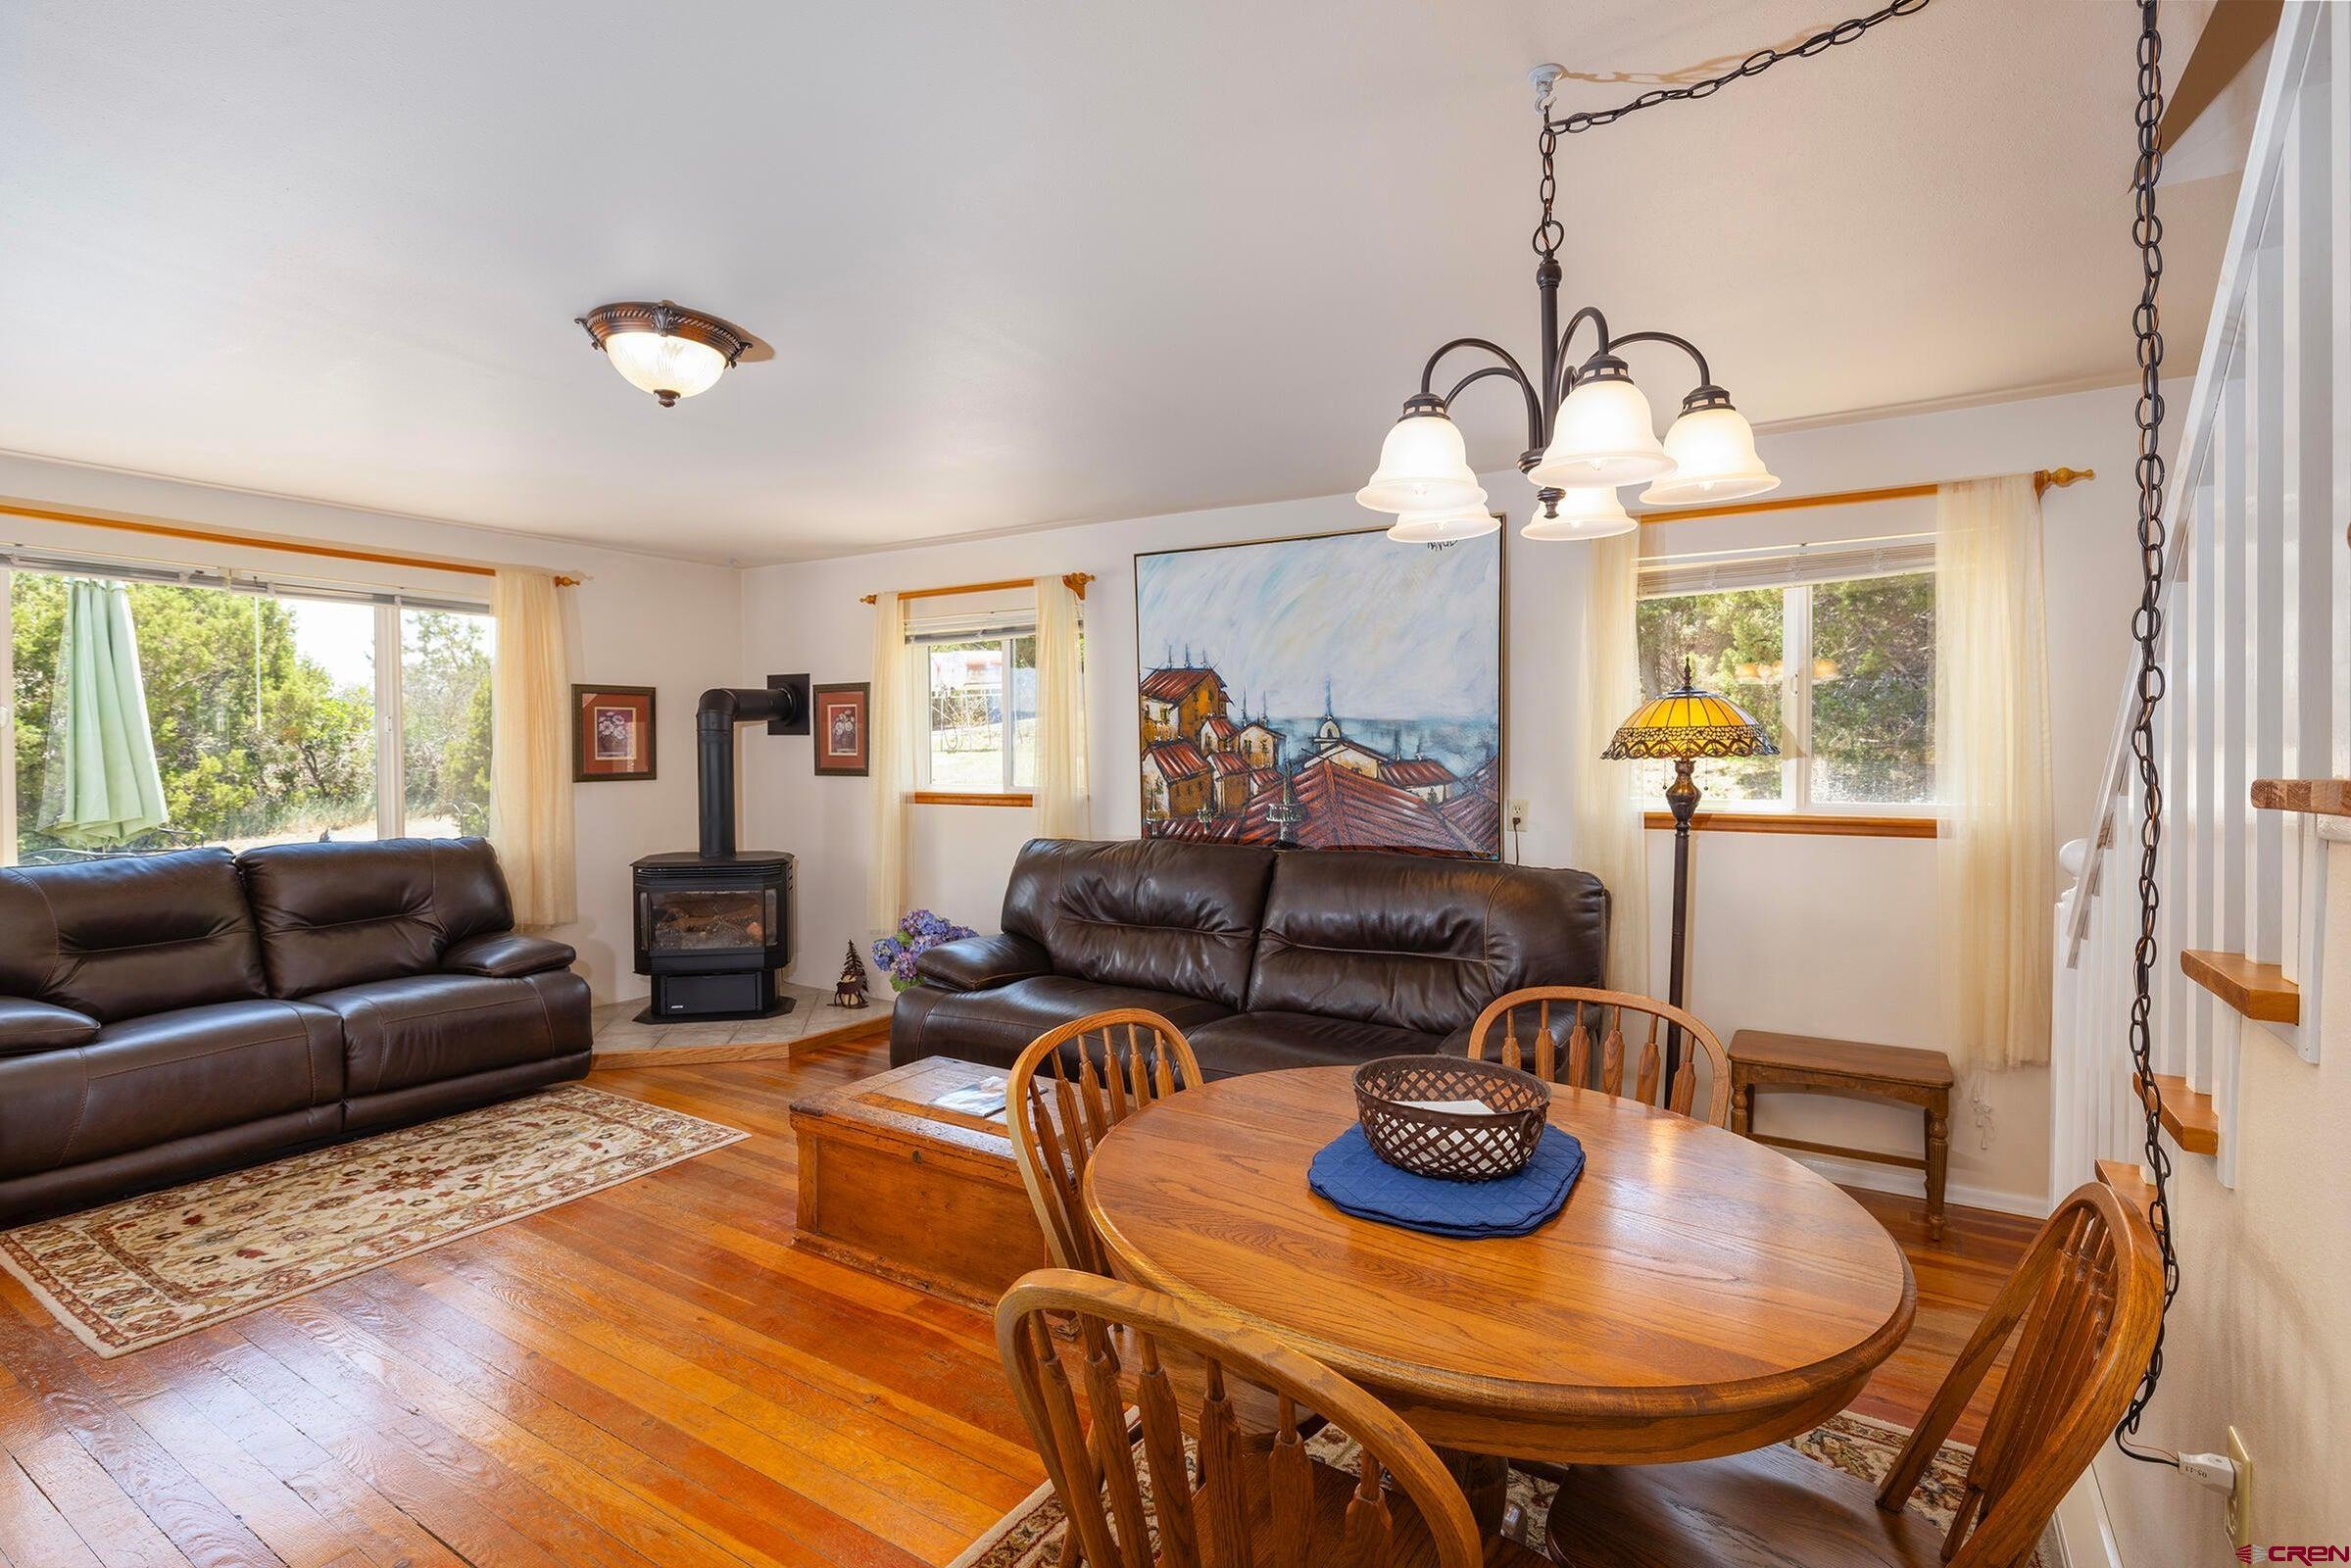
<point x="918" y="931"/>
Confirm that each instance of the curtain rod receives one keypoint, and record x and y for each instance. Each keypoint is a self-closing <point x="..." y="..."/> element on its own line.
<point x="1076" y="580"/>
<point x="291" y="547"/>
<point x="2044" y="481"/>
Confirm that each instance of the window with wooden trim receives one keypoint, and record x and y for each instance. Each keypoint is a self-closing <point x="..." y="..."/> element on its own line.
<point x="274" y="711"/>
<point x="976" y="665"/>
<point x="1832" y="649"/>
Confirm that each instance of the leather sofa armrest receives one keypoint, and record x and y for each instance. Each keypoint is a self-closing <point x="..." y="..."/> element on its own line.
<point x="29" y="1028"/>
<point x="979" y="963"/>
<point x="507" y="954"/>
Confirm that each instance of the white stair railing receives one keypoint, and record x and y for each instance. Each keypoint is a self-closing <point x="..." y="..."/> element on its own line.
<point x="2256" y="646"/>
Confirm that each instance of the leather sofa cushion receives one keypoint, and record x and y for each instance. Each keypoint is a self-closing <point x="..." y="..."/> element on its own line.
<point x="30" y="1026"/>
<point x="1266" y="1042"/>
<point x="422" y="1028"/>
<point x="127" y="936"/>
<point x="1152" y="915"/>
<point x="167" y="1076"/>
<point x="1419" y="942"/>
<point x="976" y="963"/>
<point x="507" y="954"/>
<point x="992" y="1027"/>
<point x="333" y="915"/>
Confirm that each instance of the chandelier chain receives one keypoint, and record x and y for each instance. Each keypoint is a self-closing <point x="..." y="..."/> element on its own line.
<point x="1549" y="233"/>
<point x="2146" y="231"/>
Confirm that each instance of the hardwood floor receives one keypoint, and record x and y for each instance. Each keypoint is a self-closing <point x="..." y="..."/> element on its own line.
<point x="648" y="1376"/>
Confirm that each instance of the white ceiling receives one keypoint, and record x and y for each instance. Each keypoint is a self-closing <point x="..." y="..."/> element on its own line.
<point x="1022" y="263"/>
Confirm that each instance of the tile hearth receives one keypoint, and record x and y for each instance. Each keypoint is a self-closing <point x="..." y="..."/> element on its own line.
<point x="621" y="1041"/>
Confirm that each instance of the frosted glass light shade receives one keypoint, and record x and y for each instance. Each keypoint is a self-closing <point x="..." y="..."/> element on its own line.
<point x="1605" y="436"/>
<point x="1443" y="528"/>
<point x="1593" y="512"/>
<point x="1423" y="468"/>
<point x="658" y="364"/>
<point x="1714" y="459"/>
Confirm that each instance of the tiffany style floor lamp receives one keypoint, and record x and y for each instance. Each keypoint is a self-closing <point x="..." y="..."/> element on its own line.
<point x="1685" y="725"/>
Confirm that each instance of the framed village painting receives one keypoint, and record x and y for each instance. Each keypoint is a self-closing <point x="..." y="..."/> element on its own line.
<point x="612" y="733"/>
<point x="1340" y="690"/>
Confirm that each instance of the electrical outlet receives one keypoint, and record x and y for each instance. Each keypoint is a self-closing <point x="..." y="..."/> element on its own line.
<point x="2240" y="1495"/>
<point x="1518" y="816"/>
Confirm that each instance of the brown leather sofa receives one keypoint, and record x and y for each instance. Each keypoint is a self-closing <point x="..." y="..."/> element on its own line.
<point x="167" y="1016"/>
<point x="1263" y="958"/>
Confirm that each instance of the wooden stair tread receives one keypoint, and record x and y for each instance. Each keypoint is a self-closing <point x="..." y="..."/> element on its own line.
<point x="2324" y="796"/>
<point x="2128" y="1179"/>
<point x="2192" y="1120"/>
<point x="2258" y="991"/>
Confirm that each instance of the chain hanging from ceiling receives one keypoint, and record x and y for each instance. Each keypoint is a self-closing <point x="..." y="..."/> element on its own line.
<point x="2146" y="627"/>
<point x="1548" y="232"/>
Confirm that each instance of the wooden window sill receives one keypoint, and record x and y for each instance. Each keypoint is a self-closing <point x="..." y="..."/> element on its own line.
<point x="1812" y="822"/>
<point x="2257" y="991"/>
<point x="2190" y="1117"/>
<point x="949" y="797"/>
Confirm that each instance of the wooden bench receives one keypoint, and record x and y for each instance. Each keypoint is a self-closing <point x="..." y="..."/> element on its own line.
<point x="1760" y="1059"/>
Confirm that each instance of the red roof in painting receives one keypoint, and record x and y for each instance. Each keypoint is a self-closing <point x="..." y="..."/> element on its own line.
<point x="1178" y="760"/>
<point x="1174" y="685"/>
<point x="1191" y="830"/>
<point x="1265" y="778"/>
<point x="1416" y="772"/>
<point x="1220" y="726"/>
<point x="1228" y="762"/>
<point x="1476" y="816"/>
<point x="1341" y="808"/>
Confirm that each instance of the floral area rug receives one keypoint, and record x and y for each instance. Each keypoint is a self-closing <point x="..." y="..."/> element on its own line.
<point x="149" y="1269"/>
<point x="1030" y="1535"/>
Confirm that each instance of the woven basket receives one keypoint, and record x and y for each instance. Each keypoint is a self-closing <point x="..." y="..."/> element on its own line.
<point x="1456" y="1146"/>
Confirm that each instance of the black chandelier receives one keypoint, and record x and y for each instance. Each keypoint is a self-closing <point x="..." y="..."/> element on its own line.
<point x="1590" y="430"/>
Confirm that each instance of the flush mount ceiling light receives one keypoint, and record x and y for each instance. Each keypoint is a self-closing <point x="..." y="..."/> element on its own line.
<point x="666" y="349"/>
<point x="1588" y="428"/>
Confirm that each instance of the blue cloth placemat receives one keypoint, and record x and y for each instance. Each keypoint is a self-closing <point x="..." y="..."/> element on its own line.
<point x="1358" y="1182"/>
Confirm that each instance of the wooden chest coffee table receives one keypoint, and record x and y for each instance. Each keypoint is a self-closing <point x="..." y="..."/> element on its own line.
<point x="892" y="1183"/>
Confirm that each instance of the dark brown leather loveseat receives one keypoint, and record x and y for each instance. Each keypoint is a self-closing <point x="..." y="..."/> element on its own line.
<point x="169" y="1016"/>
<point x="1263" y="958"/>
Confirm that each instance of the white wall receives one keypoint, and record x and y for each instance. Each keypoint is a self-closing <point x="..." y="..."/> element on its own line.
<point x="635" y="620"/>
<point x="2259" y="1337"/>
<point x="1827" y="935"/>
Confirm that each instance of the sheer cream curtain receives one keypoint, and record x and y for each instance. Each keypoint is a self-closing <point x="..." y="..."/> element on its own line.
<point x="1996" y="840"/>
<point x="1604" y="814"/>
<point x="530" y="755"/>
<point x="892" y="724"/>
<point x="1064" y="808"/>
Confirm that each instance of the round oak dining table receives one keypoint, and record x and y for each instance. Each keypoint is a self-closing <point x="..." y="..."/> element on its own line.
<point x="1699" y="1295"/>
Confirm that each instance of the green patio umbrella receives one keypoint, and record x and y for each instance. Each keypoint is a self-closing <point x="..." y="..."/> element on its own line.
<point x="101" y="786"/>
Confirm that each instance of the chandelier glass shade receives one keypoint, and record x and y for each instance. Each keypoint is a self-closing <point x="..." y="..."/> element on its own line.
<point x="1424" y="467"/>
<point x="666" y="349"/>
<point x="1713" y="451"/>
<point x="1603" y="435"/>
<point x="1580" y="512"/>
<point x="1443" y="528"/>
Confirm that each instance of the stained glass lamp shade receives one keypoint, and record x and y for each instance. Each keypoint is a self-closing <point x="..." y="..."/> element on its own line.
<point x="1685" y="724"/>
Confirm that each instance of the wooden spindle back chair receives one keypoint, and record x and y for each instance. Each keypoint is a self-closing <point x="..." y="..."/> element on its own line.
<point x="1069" y="1089"/>
<point x="1523" y="1029"/>
<point x="1241" y="1503"/>
<point x="2085" y="1307"/>
<point x="2083" y="1310"/>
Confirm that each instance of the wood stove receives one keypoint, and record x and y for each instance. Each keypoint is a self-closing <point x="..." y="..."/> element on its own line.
<point x="714" y="924"/>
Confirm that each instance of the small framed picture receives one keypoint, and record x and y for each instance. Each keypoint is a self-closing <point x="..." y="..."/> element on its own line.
<point x="838" y="716"/>
<point x="612" y="733"/>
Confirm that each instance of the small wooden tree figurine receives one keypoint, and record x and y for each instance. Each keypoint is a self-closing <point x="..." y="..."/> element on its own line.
<point x="849" y="989"/>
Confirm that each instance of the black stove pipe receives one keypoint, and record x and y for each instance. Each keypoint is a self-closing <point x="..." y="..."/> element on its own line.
<point x="723" y="707"/>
